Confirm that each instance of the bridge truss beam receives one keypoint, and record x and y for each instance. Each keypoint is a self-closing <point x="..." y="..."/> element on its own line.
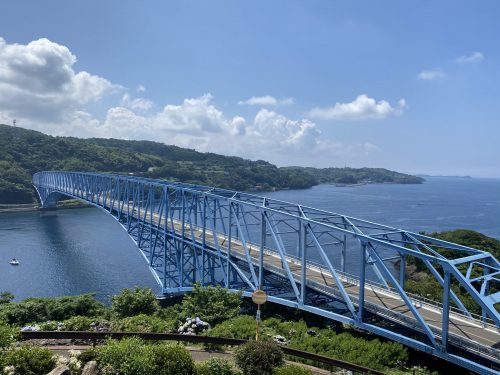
<point x="196" y="234"/>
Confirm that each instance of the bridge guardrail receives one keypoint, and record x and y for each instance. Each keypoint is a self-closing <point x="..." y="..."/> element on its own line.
<point x="477" y="319"/>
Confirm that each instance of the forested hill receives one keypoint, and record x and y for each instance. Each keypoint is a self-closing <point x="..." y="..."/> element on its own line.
<point x="24" y="152"/>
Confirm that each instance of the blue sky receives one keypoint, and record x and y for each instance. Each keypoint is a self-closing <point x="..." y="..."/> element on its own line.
<point x="407" y="85"/>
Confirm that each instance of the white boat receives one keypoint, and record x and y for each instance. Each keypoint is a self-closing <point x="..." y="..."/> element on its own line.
<point x="14" y="262"/>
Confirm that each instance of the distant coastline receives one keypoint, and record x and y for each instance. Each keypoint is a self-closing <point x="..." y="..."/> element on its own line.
<point x="25" y="152"/>
<point x="30" y="207"/>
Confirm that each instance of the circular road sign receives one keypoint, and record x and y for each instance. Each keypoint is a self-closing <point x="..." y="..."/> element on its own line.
<point x="259" y="297"/>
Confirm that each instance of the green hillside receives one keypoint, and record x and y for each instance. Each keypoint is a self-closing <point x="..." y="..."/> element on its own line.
<point x="24" y="152"/>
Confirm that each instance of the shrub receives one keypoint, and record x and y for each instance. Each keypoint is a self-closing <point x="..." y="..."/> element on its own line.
<point x="242" y="327"/>
<point x="88" y="355"/>
<point x="30" y="360"/>
<point x="132" y="356"/>
<point x="78" y="323"/>
<point x="50" y="325"/>
<point x="172" y="359"/>
<point x="212" y="304"/>
<point x="7" y="335"/>
<point x="144" y="323"/>
<point x="258" y="357"/>
<point x="43" y="309"/>
<point x="216" y="366"/>
<point x="292" y="370"/>
<point x="127" y="356"/>
<point x="135" y="301"/>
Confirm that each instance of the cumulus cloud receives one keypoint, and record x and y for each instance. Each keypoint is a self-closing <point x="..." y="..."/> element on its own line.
<point x="475" y="57"/>
<point x="40" y="87"/>
<point x="267" y="100"/>
<point x="197" y="123"/>
<point x="140" y="104"/>
<point x="361" y="108"/>
<point x="37" y="81"/>
<point x="431" y="75"/>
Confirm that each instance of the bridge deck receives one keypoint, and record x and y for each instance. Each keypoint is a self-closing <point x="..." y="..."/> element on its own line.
<point x="459" y="325"/>
<point x="321" y="280"/>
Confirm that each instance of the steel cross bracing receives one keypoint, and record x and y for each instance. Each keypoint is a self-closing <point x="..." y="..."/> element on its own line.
<point x="303" y="258"/>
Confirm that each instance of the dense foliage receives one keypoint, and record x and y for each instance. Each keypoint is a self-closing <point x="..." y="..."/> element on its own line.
<point x="135" y="301"/>
<point x="24" y="152"/>
<point x="259" y="357"/>
<point x="346" y="346"/>
<point x="216" y="366"/>
<point x="43" y="309"/>
<point x="132" y="356"/>
<point x="29" y="360"/>
<point x="212" y="304"/>
<point x="144" y="323"/>
<point x="7" y="335"/>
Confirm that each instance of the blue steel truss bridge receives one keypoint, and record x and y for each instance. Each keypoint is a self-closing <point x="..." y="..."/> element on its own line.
<point x="300" y="255"/>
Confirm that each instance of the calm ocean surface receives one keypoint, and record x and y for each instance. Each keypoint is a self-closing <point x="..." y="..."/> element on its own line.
<point x="85" y="250"/>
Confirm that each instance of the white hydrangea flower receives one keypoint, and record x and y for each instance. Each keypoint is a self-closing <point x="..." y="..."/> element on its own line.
<point x="74" y="352"/>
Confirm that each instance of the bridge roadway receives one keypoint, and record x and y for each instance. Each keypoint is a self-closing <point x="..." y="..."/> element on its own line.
<point x="385" y="302"/>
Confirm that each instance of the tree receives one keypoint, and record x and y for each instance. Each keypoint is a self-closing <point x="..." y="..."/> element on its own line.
<point x="212" y="304"/>
<point x="6" y="297"/>
<point x="135" y="301"/>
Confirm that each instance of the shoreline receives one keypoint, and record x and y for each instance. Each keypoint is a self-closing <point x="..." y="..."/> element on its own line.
<point x="32" y="207"/>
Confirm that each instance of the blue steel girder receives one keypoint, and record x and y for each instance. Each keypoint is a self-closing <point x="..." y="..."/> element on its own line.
<point x="191" y="233"/>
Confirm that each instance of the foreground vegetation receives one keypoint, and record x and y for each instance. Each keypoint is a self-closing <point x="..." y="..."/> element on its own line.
<point x="136" y="310"/>
<point x="24" y="152"/>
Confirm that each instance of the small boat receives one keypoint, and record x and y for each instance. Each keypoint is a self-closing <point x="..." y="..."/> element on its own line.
<point x="14" y="262"/>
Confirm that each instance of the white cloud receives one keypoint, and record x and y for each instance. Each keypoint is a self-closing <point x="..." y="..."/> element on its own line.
<point x="475" y="57"/>
<point x="431" y="75"/>
<point x="41" y="89"/>
<point x="197" y="123"/>
<point x="140" y="104"/>
<point x="140" y="88"/>
<point x="362" y="108"/>
<point x="38" y="82"/>
<point x="267" y="100"/>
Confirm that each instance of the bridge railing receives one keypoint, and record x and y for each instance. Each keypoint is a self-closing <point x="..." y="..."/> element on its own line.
<point x="273" y="218"/>
<point x="395" y="316"/>
<point x="416" y="298"/>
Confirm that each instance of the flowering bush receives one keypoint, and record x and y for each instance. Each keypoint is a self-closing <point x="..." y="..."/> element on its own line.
<point x="193" y="326"/>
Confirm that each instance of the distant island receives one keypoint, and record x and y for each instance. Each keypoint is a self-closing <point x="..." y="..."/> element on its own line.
<point x="24" y="152"/>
